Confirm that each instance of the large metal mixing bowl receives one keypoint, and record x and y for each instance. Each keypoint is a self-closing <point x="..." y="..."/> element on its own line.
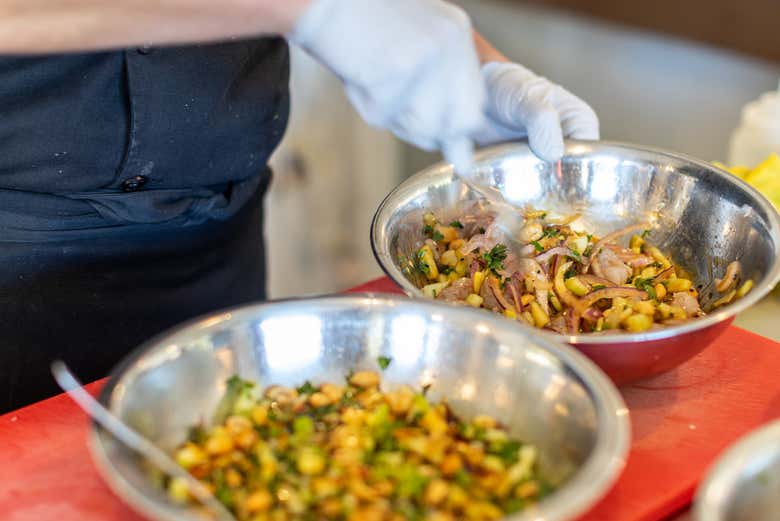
<point x="547" y="394"/>
<point x="744" y="484"/>
<point x="705" y="218"/>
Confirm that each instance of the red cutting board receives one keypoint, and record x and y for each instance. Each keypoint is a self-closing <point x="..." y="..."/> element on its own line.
<point x="681" y="421"/>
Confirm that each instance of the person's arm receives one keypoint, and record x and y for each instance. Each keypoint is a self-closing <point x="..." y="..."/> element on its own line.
<point x="47" y="26"/>
<point x="487" y="53"/>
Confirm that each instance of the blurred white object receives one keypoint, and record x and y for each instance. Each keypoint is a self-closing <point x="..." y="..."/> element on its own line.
<point x="758" y="134"/>
<point x="410" y="66"/>
<point x="521" y="104"/>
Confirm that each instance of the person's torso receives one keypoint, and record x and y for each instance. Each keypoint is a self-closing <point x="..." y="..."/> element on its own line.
<point x="138" y="136"/>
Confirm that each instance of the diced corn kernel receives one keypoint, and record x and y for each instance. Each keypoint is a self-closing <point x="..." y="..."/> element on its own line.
<point x="657" y="256"/>
<point x="679" y="285"/>
<point x="645" y="307"/>
<point x="457" y="244"/>
<point x="434" y="423"/>
<point x="258" y="501"/>
<point x="493" y="464"/>
<point x="310" y="462"/>
<point x="451" y="464"/>
<point x="479" y="278"/>
<point x="233" y="478"/>
<point x="332" y="391"/>
<point x="443" y="277"/>
<point x="237" y="424"/>
<point x="191" y="456"/>
<point x="429" y="219"/>
<point x="484" y="421"/>
<point x="526" y="299"/>
<point x="576" y="286"/>
<point x="219" y="442"/>
<point x="600" y="324"/>
<point x="452" y="276"/>
<point x="510" y="313"/>
<point x="436" y="492"/>
<point x="678" y="313"/>
<point x="365" y="379"/>
<point x="664" y="310"/>
<point x="178" y="490"/>
<point x="725" y="299"/>
<point x="541" y="318"/>
<point x="660" y="291"/>
<point x="554" y="302"/>
<point x="638" y="323"/>
<point x="474" y="300"/>
<point x="461" y="268"/>
<point x="745" y="288"/>
<point x="483" y="510"/>
<point x="636" y="243"/>
<point x="260" y="415"/>
<point x="449" y="258"/>
<point x="448" y="233"/>
<point x="319" y="399"/>
<point x="427" y="262"/>
<point x="527" y="489"/>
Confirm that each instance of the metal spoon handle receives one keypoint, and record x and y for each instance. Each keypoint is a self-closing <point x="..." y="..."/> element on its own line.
<point x="132" y="439"/>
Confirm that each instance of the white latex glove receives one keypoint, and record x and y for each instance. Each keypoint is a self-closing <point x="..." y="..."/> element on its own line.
<point x="410" y="66"/>
<point x="521" y="104"/>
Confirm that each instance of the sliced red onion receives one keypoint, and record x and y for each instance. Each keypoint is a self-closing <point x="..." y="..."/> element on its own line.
<point x="591" y="298"/>
<point x="729" y="278"/>
<point x="665" y="274"/>
<point x="611" y="238"/>
<point x="500" y="297"/>
<point x="595" y="280"/>
<point x="592" y="314"/>
<point x="560" y="250"/>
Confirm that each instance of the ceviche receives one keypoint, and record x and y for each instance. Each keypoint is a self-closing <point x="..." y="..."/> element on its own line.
<point x="562" y="279"/>
<point x="353" y="451"/>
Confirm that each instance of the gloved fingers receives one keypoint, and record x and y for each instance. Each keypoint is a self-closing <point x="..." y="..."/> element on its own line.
<point x="545" y="135"/>
<point x="459" y="152"/>
<point x="578" y="119"/>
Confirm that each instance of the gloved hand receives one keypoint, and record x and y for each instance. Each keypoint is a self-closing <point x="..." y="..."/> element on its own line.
<point x="521" y="104"/>
<point x="407" y="65"/>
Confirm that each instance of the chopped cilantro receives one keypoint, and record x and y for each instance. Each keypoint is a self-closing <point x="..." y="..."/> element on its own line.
<point x="571" y="272"/>
<point x="456" y="224"/>
<point x="427" y="229"/>
<point x="508" y="452"/>
<point x="384" y="362"/>
<point x="537" y="246"/>
<point x="425" y="389"/>
<point x="437" y="236"/>
<point x="495" y="257"/>
<point x="446" y="270"/>
<point x="551" y="232"/>
<point x="598" y="287"/>
<point x="590" y="237"/>
<point x="576" y="256"/>
<point x="307" y="388"/>
<point x="419" y="264"/>
<point x="646" y="234"/>
<point x="645" y="285"/>
<point x="588" y="250"/>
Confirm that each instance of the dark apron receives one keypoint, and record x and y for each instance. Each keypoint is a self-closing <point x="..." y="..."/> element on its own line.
<point x="131" y="187"/>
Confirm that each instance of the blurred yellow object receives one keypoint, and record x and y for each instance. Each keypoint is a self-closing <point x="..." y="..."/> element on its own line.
<point x="765" y="177"/>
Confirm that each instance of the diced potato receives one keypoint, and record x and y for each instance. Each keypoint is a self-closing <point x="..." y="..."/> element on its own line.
<point x="461" y="268"/>
<point x="660" y="291"/>
<point x="457" y="244"/>
<point x="645" y="307"/>
<point x="191" y="456"/>
<point x="258" y="501"/>
<point x="219" y="442"/>
<point x="474" y="300"/>
<point x="311" y="461"/>
<point x="679" y="285"/>
<point x="449" y="258"/>
<point x="526" y="299"/>
<point x="448" y="233"/>
<point x="436" y="492"/>
<point x="649" y="272"/>
<point x="451" y="464"/>
<point x="638" y="322"/>
<point x="332" y="391"/>
<point x="636" y="243"/>
<point x="365" y="379"/>
<point x="427" y="262"/>
<point x="435" y="289"/>
<point x="319" y="399"/>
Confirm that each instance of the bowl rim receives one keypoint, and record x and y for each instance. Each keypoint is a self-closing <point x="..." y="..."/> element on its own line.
<point x="590" y="483"/>
<point x="724" y="473"/>
<point x="758" y="292"/>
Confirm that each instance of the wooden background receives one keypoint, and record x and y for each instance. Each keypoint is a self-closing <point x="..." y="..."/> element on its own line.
<point x="748" y="26"/>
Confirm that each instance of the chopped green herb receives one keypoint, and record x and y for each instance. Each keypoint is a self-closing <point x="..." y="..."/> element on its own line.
<point x="307" y="388"/>
<point x="551" y="232"/>
<point x="590" y="237"/>
<point x="495" y="257"/>
<point x="419" y="264"/>
<point x="384" y="362"/>
<point x="645" y="285"/>
<point x="576" y="256"/>
<point x="537" y="246"/>
<point x="446" y="270"/>
<point x="508" y="452"/>
<point x="437" y="236"/>
<point x="543" y="216"/>
<point x="571" y="272"/>
<point x="457" y="224"/>
<point x="427" y="229"/>
<point x="425" y="389"/>
<point x="598" y="287"/>
<point x="588" y="250"/>
<point x="646" y="234"/>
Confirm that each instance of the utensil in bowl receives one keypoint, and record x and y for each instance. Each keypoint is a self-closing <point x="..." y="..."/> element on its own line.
<point x="702" y="215"/>
<point x="546" y="394"/>
<point x="132" y="440"/>
<point x="744" y="483"/>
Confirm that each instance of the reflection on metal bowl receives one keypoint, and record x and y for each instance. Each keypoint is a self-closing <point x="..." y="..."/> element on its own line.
<point x="704" y="216"/>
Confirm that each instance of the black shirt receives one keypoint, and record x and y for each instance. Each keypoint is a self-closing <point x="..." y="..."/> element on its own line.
<point x="175" y="136"/>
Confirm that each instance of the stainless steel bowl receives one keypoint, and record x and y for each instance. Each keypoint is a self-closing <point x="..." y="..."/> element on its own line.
<point x="706" y="218"/>
<point x="547" y="394"/>
<point x="744" y="484"/>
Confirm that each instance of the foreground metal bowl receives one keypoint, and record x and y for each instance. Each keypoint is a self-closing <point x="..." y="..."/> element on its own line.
<point x="547" y="394"/>
<point x="744" y="484"/>
<point x="706" y="218"/>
